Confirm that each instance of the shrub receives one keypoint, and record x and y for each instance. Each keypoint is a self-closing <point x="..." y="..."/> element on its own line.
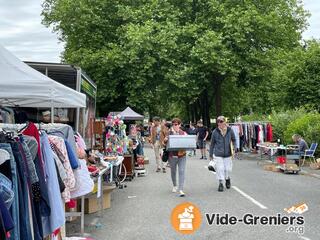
<point x="281" y="120"/>
<point x="308" y="126"/>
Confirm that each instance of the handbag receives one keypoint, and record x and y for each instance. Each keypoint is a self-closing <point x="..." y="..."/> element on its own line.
<point x="182" y="153"/>
<point x="165" y="155"/>
<point x="212" y="165"/>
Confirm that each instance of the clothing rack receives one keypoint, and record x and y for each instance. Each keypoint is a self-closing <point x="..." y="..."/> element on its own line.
<point x="42" y="126"/>
<point x="247" y="142"/>
<point x="248" y="122"/>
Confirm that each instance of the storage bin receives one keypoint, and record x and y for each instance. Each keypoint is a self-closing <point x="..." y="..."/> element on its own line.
<point x="281" y="160"/>
<point x="181" y="142"/>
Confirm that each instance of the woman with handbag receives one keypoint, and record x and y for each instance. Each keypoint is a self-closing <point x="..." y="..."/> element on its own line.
<point x="177" y="159"/>
<point x="222" y="142"/>
<point x="165" y="154"/>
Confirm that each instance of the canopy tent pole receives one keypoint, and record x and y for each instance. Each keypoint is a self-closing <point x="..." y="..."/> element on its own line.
<point x="52" y="114"/>
<point x="77" y="119"/>
<point x="78" y="87"/>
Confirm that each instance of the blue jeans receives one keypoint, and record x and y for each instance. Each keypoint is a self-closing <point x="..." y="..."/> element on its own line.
<point x="13" y="175"/>
<point x="181" y="164"/>
<point x="25" y="227"/>
<point x="6" y="190"/>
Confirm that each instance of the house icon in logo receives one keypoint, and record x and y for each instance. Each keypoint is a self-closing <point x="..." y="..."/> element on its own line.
<point x="186" y="219"/>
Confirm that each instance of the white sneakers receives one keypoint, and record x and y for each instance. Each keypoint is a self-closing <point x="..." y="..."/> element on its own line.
<point x="181" y="193"/>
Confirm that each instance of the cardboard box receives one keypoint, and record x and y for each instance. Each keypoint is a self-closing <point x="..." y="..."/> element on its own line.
<point x="91" y="204"/>
<point x="271" y="167"/>
<point x="291" y="167"/>
<point x="315" y="166"/>
<point x="146" y="160"/>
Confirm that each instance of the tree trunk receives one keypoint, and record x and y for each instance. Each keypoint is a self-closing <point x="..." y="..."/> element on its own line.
<point x="203" y="108"/>
<point x="217" y="84"/>
<point x="206" y="108"/>
<point x="198" y="108"/>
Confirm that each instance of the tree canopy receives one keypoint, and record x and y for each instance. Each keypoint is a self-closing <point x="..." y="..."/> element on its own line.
<point x="193" y="58"/>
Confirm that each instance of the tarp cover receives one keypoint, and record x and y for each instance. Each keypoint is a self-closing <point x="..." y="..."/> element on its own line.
<point x="129" y="114"/>
<point x="21" y="85"/>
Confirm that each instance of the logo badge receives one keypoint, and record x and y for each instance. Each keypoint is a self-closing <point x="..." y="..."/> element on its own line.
<point x="186" y="218"/>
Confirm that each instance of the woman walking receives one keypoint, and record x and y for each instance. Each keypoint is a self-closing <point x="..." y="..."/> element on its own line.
<point x="177" y="159"/>
<point x="221" y="148"/>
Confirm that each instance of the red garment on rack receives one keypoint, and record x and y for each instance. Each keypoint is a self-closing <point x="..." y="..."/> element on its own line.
<point x="32" y="131"/>
<point x="269" y="132"/>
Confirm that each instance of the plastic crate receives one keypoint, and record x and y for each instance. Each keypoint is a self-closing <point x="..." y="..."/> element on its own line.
<point x="181" y="142"/>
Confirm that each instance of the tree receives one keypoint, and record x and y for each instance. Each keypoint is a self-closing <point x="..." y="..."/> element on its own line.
<point x="169" y="55"/>
<point x="298" y="76"/>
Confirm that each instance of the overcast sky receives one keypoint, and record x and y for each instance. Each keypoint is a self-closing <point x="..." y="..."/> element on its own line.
<point x="22" y="33"/>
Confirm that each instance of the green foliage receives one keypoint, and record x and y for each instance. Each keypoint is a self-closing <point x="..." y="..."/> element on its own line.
<point x="295" y="79"/>
<point x="308" y="126"/>
<point x="254" y="117"/>
<point x="163" y="54"/>
<point x="281" y="119"/>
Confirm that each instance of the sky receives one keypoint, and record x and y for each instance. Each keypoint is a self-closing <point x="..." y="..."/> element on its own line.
<point x="22" y="33"/>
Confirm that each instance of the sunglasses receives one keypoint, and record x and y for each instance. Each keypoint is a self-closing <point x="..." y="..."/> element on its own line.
<point x="175" y="124"/>
<point x="220" y="121"/>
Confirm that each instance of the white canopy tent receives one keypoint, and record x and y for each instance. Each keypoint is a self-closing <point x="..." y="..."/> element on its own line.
<point x="129" y="114"/>
<point x="23" y="86"/>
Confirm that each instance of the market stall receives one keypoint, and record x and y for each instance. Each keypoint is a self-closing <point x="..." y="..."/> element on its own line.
<point x="129" y="115"/>
<point x="116" y="135"/>
<point x="54" y="149"/>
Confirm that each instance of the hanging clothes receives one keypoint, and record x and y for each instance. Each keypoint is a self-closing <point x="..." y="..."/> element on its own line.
<point x="6" y="222"/>
<point x="269" y="132"/>
<point x="25" y="226"/>
<point x="32" y="130"/>
<point x="61" y="151"/>
<point x="236" y="131"/>
<point x="9" y="169"/>
<point x="56" y="219"/>
<point x="35" y="183"/>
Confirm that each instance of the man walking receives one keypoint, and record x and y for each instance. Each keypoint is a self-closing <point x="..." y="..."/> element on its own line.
<point x="202" y="134"/>
<point x="221" y="149"/>
<point x="192" y="131"/>
<point x="156" y="143"/>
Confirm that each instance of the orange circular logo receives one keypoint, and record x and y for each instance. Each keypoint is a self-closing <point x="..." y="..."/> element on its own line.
<point x="186" y="218"/>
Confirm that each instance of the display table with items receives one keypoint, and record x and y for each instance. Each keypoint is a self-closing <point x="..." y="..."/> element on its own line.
<point x="284" y="156"/>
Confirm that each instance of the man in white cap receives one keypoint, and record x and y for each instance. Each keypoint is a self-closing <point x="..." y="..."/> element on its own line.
<point x="221" y="148"/>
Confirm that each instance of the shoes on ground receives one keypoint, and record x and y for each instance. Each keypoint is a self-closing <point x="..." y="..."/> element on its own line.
<point x="181" y="193"/>
<point x="220" y="188"/>
<point x="174" y="189"/>
<point x="158" y="170"/>
<point x="228" y="183"/>
<point x="164" y="170"/>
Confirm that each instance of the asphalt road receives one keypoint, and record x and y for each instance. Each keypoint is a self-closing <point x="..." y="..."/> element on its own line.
<point x="143" y="209"/>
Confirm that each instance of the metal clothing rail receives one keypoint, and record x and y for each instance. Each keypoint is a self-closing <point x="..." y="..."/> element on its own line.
<point x="41" y="126"/>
